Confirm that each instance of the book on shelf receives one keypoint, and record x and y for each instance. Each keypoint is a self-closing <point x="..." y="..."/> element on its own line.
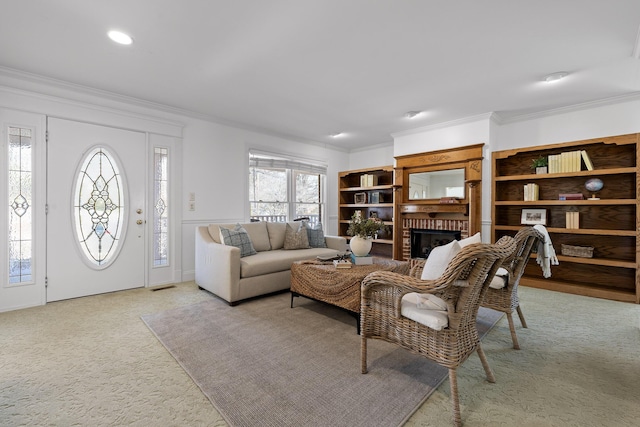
<point x="570" y="196"/>
<point x="569" y="161"/>
<point x="342" y="263"/>
<point x="531" y="192"/>
<point x="587" y="160"/>
<point x="368" y="180"/>
<point x="573" y="220"/>
<point x="361" y="260"/>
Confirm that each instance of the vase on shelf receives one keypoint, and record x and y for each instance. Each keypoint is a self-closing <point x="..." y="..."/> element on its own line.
<point x="360" y="246"/>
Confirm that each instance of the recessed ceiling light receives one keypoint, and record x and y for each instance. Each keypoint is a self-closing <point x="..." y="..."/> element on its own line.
<point x="337" y="134"/>
<point x="120" y="37"/>
<point x="412" y="114"/>
<point x="554" y="77"/>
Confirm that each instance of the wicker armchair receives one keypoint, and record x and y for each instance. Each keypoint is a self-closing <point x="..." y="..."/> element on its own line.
<point x="462" y="286"/>
<point x="506" y="299"/>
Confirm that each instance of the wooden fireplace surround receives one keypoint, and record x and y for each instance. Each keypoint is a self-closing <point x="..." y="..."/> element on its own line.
<point x="467" y="212"/>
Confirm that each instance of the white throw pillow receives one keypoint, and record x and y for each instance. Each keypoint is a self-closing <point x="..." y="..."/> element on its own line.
<point x="470" y="240"/>
<point x="439" y="259"/>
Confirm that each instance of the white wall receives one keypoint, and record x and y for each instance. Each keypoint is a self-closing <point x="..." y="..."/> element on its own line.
<point x="615" y="117"/>
<point x="216" y="170"/>
<point x="381" y="155"/>
<point x="607" y="119"/>
<point x="214" y="156"/>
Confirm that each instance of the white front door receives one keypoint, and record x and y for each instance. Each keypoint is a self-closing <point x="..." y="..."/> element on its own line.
<point x="95" y="224"/>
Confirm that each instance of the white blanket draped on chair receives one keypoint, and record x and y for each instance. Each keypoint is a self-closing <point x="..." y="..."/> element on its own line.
<point x="546" y="252"/>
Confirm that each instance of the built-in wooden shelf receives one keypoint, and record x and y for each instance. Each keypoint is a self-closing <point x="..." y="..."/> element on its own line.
<point x="349" y="186"/>
<point x="609" y="224"/>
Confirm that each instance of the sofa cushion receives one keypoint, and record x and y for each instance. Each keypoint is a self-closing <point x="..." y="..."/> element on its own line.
<point x="296" y="237"/>
<point x="268" y="262"/>
<point x="315" y="235"/>
<point x="276" y="234"/>
<point x="259" y="235"/>
<point x="239" y="238"/>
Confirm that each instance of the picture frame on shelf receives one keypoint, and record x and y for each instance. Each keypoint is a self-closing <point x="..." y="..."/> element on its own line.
<point x="360" y="198"/>
<point x="533" y="217"/>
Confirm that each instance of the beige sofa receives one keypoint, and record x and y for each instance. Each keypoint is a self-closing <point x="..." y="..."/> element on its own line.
<point x="221" y="271"/>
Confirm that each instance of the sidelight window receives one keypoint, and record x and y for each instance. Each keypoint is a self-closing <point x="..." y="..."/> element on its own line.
<point x="20" y="200"/>
<point x="161" y="207"/>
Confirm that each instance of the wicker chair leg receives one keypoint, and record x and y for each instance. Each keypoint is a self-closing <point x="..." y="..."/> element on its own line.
<point x="453" y="384"/>
<point x="512" y="328"/>
<point x="485" y="364"/>
<point x="521" y="316"/>
<point x="363" y="354"/>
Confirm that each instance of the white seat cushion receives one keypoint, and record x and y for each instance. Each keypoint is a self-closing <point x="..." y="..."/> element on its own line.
<point x="500" y="280"/>
<point x="434" y="319"/>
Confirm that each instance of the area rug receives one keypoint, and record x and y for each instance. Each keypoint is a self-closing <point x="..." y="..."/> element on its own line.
<point x="262" y="363"/>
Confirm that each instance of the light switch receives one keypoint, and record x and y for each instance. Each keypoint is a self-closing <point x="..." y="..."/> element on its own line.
<point x="192" y="206"/>
<point x="192" y="197"/>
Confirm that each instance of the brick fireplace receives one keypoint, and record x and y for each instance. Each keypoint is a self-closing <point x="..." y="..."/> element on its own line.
<point x="459" y="225"/>
<point x="460" y="213"/>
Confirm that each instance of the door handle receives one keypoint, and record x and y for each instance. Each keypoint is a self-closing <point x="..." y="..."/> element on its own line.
<point x="139" y="222"/>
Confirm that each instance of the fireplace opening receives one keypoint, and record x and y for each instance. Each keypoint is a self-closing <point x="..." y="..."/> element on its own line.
<point x="424" y="240"/>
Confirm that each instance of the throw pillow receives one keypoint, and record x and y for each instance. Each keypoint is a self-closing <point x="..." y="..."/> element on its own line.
<point x="296" y="239"/>
<point x="315" y="236"/>
<point x="470" y="240"/>
<point x="239" y="238"/>
<point x="439" y="259"/>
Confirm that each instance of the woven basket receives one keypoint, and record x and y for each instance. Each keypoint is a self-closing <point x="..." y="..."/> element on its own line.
<point x="578" y="251"/>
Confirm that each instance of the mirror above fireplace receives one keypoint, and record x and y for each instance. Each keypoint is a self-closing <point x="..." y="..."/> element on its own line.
<point x="437" y="184"/>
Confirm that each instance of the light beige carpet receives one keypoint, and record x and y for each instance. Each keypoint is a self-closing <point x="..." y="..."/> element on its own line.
<point x="92" y="362"/>
<point x="263" y="363"/>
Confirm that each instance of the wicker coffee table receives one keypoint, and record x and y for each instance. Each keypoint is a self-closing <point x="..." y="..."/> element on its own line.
<point x="340" y="287"/>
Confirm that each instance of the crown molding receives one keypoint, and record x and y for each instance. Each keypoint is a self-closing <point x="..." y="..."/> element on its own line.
<point x="372" y="147"/>
<point x="79" y="91"/>
<point x="456" y="122"/>
<point x="634" y="96"/>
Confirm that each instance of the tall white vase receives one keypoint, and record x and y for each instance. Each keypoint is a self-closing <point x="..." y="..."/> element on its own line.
<point x="360" y="246"/>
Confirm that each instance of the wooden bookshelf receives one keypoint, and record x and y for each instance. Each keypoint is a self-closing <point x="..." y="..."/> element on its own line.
<point x="609" y="224"/>
<point x="378" y="200"/>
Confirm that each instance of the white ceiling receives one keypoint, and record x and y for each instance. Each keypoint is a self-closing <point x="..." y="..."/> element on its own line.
<point x="308" y="68"/>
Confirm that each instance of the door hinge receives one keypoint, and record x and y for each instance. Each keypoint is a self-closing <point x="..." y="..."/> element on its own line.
<point x="46" y="209"/>
<point x="46" y="136"/>
<point x="46" y="282"/>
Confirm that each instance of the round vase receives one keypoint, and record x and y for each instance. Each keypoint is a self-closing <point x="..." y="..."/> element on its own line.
<point x="360" y="246"/>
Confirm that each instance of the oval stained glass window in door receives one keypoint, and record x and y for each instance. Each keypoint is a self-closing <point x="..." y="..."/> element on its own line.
<point x="99" y="207"/>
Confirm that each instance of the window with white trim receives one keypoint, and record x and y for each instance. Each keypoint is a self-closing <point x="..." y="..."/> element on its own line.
<point x="283" y="189"/>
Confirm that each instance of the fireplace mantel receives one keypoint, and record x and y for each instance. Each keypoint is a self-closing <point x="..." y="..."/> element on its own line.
<point x="463" y="216"/>
<point x="432" y="209"/>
